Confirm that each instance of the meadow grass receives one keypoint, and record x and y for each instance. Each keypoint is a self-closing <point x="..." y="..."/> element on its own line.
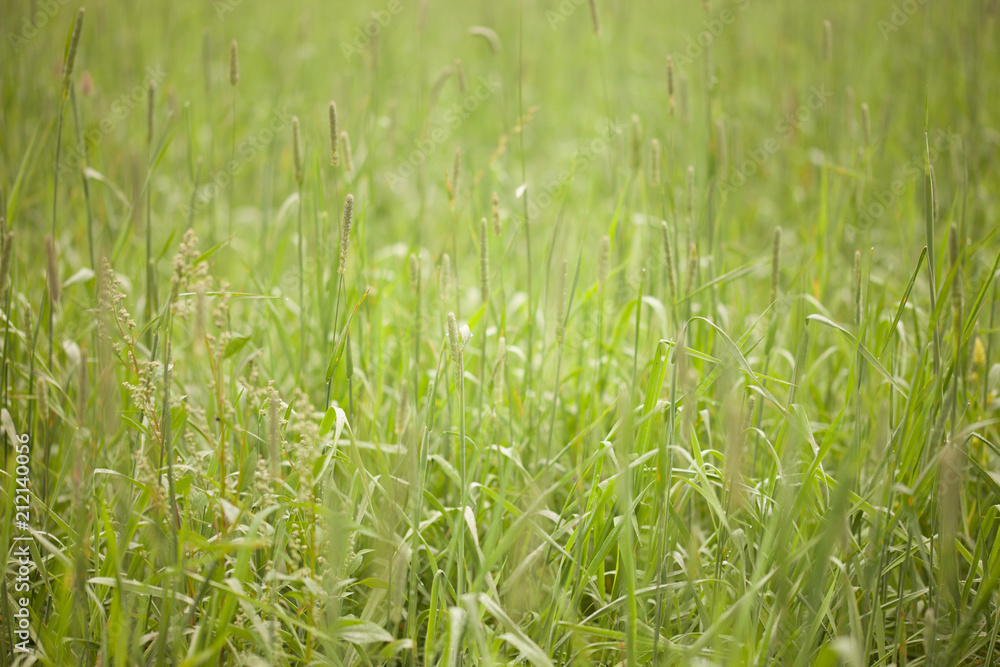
<point x="490" y="333"/>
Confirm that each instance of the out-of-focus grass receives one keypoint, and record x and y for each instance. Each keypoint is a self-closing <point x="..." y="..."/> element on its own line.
<point x="762" y="452"/>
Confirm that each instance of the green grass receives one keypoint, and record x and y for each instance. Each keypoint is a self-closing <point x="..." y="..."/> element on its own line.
<point x="751" y="449"/>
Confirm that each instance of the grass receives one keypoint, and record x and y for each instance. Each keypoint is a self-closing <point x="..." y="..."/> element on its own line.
<point x="735" y="407"/>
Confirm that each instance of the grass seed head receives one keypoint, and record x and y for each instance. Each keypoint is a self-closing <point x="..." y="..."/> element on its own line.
<point x="603" y="260"/>
<point x="692" y="266"/>
<point x="74" y="44"/>
<point x="484" y="260"/>
<point x="866" y="123"/>
<point x="150" y="111"/>
<point x="274" y="431"/>
<point x="497" y="226"/>
<point x="595" y="17"/>
<point x="670" y="84"/>
<point x="334" y="157"/>
<point x="460" y="73"/>
<point x="721" y="148"/>
<point x="234" y="63"/>
<point x="455" y="343"/>
<point x="345" y="232"/>
<point x="83" y="385"/>
<point x="297" y="151"/>
<point x="345" y="141"/>
<point x="444" y="286"/>
<point x="636" y="142"/>
<point x="776" y="264"/>
<point x="668" y="259"/>
<point x="415" y="272"/>
<point x="978" y="353"/>
<point x="827" y="42"/>
<point x="655" y="157"/>
<point x="42" y="397"/>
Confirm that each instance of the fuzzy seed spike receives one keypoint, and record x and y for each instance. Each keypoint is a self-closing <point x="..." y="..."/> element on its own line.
<point x="74" y="44"/>
<point x="345" y="232"/>
<point x="234" y="63"/>
<point x="297" y="150"/>
<point x="603" y="260"/>
<point x="776" y="264"/>
<point x="497" y="227"/>
<point x="595" y="17"/>
<point x="484" y="260"/>
<point x="334" y="156"/>
<point x="668" y="259"/>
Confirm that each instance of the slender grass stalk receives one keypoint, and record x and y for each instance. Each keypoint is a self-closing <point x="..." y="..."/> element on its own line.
<point x="347" y="220"/>
<point x="297" y="165"/>
<point x="456" y="343"/>
<point x="234" y="78"/>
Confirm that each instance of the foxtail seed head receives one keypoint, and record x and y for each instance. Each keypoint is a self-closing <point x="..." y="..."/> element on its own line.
<point x="655" y="157"/>
<point x="497" y="227"/>
<point x="150" y="111"/>
<point x="334" y="157"/>
<point x="415" y="272"/>
<point x="603" y="260"/>
<point x="595" y="17"/>
<point x="690" y="196"/>
<point x="52" y="271"/>
<point x="234" y="63"/>
<point x="776" y="264"/>
<point x="460" y="72"/>
<point x="74" y="44"/>
<point x="827" y="41"/>
<point x="561" y="303"/>
<point x="83" y="385"/>
<point x="273" y="431"/>
<point x="636" y="142"/>
<point x="455" y="342"/>
<point x="866" y="123"/>
<point x="668" y="258"/>
<point x="345" y="140"/>
<point x="297" y="150"/>
<point x="484" y="260"/>
<point x="670" y="83"/>
<point x="692" y="266"/>
<point x="345" y="232"/>
<point x="444" y="286"/>
<point x="721" y="148"/>
<point x="456" y="175"/>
